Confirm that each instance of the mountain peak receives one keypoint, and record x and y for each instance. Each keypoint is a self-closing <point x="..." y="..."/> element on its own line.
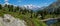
<point x="31" y="6"/>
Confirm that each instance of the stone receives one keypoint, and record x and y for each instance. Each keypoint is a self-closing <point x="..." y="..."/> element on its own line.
<point x="9" y="20"/>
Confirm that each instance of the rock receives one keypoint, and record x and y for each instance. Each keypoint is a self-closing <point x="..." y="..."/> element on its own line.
<point x="1" y="22"/>
<point x="9" y="20"/>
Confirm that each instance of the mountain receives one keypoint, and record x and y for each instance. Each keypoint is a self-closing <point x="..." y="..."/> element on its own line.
<point x="32" y="7"/>
<point x="53" y="7"/>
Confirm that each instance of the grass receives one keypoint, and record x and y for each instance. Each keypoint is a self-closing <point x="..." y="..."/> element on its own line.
<point x="50" y="16"/>
<point x="37" y="22"/>
<point x="30" y="21"/>
<point x="26" y="17"/>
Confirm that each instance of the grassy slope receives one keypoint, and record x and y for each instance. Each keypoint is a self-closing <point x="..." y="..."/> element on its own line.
<point x="29" y="21"/>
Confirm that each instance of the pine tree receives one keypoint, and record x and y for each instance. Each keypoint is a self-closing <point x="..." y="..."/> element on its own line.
<point x="0" y="6"/>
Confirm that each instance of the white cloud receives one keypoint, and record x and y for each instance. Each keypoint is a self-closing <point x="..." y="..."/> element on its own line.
<point x="45" y="3"/>
<point x="39" y="6"/>
<point x="19" y="1"/>
<point x="6" y="0"/>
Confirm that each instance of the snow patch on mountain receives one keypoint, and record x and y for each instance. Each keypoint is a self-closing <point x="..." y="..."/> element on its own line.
<point x="32" y="7"/>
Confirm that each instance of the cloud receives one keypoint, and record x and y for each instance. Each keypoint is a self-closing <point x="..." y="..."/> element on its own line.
<point x="6" y="0"/>
<point x="45" y="3"/>
<point x="19" y="1"/>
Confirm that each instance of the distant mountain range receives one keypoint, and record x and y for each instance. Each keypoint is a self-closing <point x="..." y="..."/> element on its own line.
<point x="53" y="7"/>
<point x="33" y="7"/>
<point x="50" y="8"/>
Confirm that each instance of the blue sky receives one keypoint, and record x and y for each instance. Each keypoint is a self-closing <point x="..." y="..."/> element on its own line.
<point x="27" y="2"/>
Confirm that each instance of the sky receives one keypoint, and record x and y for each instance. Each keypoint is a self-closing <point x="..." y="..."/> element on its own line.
<point x="29" y="2"/>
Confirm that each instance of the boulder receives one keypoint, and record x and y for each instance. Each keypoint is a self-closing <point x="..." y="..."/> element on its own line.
<point x="9" y="20"/>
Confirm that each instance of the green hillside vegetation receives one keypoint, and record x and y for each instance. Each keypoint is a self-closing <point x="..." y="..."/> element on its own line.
<point x="23" y="14"/>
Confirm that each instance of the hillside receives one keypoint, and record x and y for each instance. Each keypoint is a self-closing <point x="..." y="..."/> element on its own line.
<point x="23" y="14"/>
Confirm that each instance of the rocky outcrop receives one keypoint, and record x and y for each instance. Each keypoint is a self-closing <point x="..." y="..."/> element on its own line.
<point x="8" y="20"/>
